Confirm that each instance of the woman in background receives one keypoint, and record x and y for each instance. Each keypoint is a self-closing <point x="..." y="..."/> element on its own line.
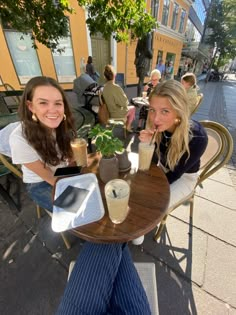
<point x="155" y="79"/>
<point x="90" y="70"/>
<point x="189" y="82"/>
<point x="116" y="100"/>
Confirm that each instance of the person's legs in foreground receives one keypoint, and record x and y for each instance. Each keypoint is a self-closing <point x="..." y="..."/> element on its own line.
<point x="130" y="117"/>
<point x="41" y="194"/>
<point x="104" y="281"/>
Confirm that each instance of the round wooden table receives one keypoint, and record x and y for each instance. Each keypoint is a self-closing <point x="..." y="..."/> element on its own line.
<point x="149" y="199"/>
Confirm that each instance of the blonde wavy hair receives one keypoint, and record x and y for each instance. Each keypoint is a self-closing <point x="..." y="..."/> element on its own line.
<point x="176" y="95"/>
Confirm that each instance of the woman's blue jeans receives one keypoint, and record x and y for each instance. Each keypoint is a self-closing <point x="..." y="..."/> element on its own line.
<point x="41" y="194"/>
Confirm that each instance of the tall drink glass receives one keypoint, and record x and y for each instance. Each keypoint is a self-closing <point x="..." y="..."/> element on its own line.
<point x="79" y="147"/>
<point x="145" y="151"/>
<point x="117" y="193"/>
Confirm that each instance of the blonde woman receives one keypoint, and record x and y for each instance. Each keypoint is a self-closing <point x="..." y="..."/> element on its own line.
<point x="189" y="82"/>
<point x="180" y="143"/>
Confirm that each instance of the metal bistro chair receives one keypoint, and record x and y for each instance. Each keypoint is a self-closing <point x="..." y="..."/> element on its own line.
<point x="6" y="161"/>
<point x="198" y="103"/>
<point x="218" y="152"/>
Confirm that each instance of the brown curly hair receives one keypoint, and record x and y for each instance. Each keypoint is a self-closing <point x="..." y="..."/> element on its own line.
<point x="51" y="149"/>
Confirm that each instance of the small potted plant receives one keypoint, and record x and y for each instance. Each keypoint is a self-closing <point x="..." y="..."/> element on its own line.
<point x="108" y="145"/>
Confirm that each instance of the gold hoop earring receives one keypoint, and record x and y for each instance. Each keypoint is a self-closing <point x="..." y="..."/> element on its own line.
<point x="64" y="117"/>
<point x="34" y="118"/>
<point x="177" y="121"/>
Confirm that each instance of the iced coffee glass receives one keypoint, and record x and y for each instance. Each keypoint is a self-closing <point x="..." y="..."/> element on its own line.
<point x="117" y="193"/>
<point x="79" y="147"/>
<point x="145" y="151"/>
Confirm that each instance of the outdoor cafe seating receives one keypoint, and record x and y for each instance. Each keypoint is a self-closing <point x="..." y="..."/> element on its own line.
<point x="217" y="154"/>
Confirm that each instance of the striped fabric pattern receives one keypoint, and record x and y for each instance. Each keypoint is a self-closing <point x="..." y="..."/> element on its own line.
<point x="104" y="280"/>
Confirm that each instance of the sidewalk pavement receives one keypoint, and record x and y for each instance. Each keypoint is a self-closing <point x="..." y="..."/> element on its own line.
<point x="195" y="263"/>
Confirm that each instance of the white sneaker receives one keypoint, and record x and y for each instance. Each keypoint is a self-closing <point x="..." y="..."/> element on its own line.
<point x="138" y="241"/>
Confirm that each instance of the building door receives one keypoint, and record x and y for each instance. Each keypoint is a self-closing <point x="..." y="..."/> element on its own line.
<point x="101" y="54"/>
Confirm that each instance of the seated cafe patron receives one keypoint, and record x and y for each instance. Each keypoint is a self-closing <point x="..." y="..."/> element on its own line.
<point x="115" y="98"/>
<point x="41" y="142"/>
<point x="180" y="142"/>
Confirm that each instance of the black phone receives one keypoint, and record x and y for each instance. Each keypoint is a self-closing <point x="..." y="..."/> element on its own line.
<point x="66" y="171"/>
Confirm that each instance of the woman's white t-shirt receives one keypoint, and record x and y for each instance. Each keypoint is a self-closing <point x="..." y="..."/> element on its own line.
<point x="22" y="153"/>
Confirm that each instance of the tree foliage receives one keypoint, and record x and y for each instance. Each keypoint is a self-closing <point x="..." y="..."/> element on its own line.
<point x="43" y="19"/>
<point x="119" y="18"/>
<point x="47" y="21"/>
<point x="222" y="27"/>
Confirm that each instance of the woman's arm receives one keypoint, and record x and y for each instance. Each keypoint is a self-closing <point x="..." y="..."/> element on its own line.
<point x="197" y="147"/>
<point x="44" y="172"/>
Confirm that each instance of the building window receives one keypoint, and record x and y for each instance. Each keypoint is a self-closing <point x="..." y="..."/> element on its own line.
<point x="175" y="16"/>
<point x="165" y="12"/>
<point x="24" y="56"/>
<point x="154" y="8"/>
<point x="182" y="20"/>
<point x="64" y="61"/>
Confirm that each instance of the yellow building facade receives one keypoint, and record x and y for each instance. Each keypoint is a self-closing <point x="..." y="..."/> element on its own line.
<point x="19" y="61"/>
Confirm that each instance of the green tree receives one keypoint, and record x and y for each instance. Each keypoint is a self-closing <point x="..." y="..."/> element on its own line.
<point x="221" y="24"/>
<point x="47" y="21"/>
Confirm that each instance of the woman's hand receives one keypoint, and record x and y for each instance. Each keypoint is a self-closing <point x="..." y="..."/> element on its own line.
<point x="146" y="135"/>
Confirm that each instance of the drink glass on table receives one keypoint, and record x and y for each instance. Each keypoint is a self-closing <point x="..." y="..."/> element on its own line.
<point x="117" y="193"/>
<point x="144" y="95"/>
<point x="79" y="147"/>
<point x="145" y="151"/>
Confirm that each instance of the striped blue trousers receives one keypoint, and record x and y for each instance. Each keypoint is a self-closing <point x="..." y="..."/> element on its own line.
<point x="104" y="281"/>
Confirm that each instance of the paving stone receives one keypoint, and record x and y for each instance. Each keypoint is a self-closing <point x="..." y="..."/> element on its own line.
<point x="184" y="251"/>
<point x="232" y="311"/>
<point x="211" y="218"/>
<point x="220" y="273"/>
<point x="176" y="296"/>
<point x="223" y="176"/>
<point x="33" y="283"/>
<point x="218" y="193"/>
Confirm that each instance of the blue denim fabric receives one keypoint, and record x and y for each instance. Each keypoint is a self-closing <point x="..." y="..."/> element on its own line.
<point x="41" y="194"/>
<point x="104" y="281"/>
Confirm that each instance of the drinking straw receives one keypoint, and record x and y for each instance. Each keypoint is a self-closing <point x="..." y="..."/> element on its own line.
<point x="114" y="193"/>
<point x="153" y="136"/>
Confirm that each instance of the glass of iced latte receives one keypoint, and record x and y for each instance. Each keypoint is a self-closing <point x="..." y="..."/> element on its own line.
<point x="117" y="193"/>
<point x="79" y="147"/>
<point x="145" y="151"/>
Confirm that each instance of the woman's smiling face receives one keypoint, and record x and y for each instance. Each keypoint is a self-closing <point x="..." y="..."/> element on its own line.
<point x="47" y="105"/>
<point x="162" y="114"/>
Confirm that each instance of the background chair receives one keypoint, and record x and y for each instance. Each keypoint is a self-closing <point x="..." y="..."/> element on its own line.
<point x="198" y="103"/>
<point x="217" y="154"/>
<point x="120" y="80"/>
<point x="5" y="192"/>
<point x="14" y="169"/>
<point x="12" y="101"/>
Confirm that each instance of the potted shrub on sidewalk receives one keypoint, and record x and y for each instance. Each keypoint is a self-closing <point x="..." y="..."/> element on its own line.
<point x="107" y="145"/>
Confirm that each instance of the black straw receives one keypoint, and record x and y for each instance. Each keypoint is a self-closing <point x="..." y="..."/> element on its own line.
<point x="114" y="193"/>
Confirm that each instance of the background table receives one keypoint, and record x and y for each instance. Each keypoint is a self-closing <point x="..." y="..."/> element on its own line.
<point x="149" y="198"/>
